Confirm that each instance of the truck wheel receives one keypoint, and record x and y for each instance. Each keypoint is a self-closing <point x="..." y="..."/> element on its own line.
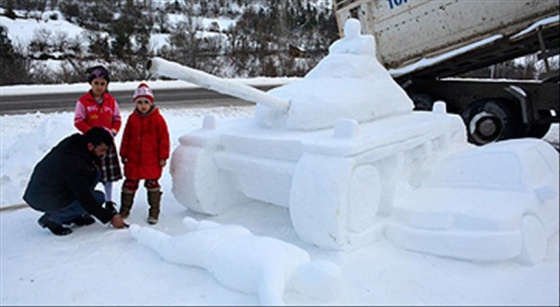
<point x="538" y="131"/>
<point x="489" y="121"/>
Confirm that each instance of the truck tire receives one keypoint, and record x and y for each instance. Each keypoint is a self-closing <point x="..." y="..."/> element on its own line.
<point x="535" y="129"/>
<point x="538" y="131"/>
<point x="490" y="120"/>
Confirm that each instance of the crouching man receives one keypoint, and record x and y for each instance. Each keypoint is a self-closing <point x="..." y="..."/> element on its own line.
<point x="62" y="184"/>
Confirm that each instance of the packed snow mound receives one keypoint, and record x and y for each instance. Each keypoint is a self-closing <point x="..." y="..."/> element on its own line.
<point x="245" y="262"/>
<point x="354" y="85"/>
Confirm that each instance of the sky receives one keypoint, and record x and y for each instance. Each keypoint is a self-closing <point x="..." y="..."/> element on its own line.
<point x="425" y="241"/>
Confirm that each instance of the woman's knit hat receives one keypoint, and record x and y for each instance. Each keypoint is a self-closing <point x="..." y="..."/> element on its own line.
<point x="143" y="91"/>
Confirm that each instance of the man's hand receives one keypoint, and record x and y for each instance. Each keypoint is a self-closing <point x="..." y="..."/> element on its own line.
<point x="118" y="222"/>
<point x="162" y="162"/>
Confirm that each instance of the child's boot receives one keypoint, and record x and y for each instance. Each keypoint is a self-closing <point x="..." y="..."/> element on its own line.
<point x="127" y="198"/>
<point x="154" y="199"/>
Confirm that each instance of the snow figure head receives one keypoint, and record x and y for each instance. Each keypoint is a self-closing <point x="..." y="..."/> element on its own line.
<point x="352" y="28"/>
<point x="348" y="83"/>
<point x="353" y="42"/>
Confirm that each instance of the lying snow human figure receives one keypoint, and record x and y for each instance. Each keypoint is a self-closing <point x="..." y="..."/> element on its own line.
<point x="245" y="262"/>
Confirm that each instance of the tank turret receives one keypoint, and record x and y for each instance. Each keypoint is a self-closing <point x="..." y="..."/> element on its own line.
<point x="351" y="70"/>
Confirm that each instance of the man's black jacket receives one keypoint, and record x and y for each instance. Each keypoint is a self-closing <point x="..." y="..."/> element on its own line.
<point x="68" y="172"/>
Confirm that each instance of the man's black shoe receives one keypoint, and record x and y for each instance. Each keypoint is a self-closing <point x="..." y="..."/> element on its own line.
<point x="111" y="206"/>
<point x="82" y="220"/>
<point x="55" y="228"/>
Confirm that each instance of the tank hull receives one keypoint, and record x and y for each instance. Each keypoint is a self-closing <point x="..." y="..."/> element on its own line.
<point x="335" y="182"/>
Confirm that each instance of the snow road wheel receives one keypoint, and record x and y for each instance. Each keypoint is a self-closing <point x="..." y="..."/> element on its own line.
<point x="534" y="241"/>
<point x="339" y="211"/>
<point x="489" y="121"/>
<point x="363" y="198"/>
<point x="198" y="184"/>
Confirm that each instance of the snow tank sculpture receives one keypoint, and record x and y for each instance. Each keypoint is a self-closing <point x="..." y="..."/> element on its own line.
<point x="335" y="147"/>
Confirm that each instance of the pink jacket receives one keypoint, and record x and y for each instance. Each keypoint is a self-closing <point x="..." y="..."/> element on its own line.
<point x="89" y="113"/>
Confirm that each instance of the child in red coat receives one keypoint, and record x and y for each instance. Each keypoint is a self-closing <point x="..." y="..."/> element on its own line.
<point x="144" y="151"/>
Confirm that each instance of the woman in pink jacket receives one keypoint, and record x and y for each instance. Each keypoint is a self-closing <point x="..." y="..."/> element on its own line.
<point x="144" y="151"/>
<point x="98" y="108"/>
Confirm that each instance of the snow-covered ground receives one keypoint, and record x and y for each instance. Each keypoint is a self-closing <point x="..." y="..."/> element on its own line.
<point x="97" y="265"/>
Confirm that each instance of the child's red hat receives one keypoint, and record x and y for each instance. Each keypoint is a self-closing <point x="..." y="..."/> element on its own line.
<point x="143" y="91"/>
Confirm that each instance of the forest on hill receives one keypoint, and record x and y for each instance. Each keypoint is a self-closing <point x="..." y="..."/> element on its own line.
<point x="228" y="38"/>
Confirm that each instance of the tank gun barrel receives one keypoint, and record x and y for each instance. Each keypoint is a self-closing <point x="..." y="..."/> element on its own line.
<point x="170" y="69"/>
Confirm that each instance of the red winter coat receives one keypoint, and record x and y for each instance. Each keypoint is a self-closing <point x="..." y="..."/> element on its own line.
<point x="145" y="141"/>
<point x="89" y="113"/>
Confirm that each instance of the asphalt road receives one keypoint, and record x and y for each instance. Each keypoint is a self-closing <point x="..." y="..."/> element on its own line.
<point x="166" y="98"/>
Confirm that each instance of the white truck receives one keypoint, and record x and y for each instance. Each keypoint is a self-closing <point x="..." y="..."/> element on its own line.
<point x="426" y="44"/>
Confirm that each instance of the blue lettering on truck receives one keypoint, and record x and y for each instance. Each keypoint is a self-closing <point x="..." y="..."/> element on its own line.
<point x="393" y="3"/>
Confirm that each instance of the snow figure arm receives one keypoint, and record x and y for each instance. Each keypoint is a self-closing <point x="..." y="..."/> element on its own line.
<point x="148" y="237"/>
<point x="185" y="249"/>
<point x="191" y="248"/>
